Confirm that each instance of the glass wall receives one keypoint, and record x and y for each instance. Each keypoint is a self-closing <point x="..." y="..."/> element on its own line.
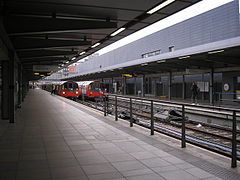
<point x="177" y="87"/>
<point x="162" y="84"/>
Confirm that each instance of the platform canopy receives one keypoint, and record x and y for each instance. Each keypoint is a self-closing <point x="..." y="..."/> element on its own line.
<point x="54" y="32"/>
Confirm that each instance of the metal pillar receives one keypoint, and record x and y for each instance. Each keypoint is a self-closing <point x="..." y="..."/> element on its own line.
<point x="152" y="119"/>
<point x="170" y="86"/>
<point x="183" y="128"/>
<point x="234" y="140"/>
<point x="11" y="87"/>
<point x="116" y="110"/>
<point x="131" y="118"/>
<point x="184" y="88"/>
<point x="5" y="90"/>
<point x="124" y="84"/>
<point x="112" y="89"/>
<point x="143" y="85"/>
<point x="19" y="88"/>
<point x="135" y="86"/>
<point x="211" y="98"/>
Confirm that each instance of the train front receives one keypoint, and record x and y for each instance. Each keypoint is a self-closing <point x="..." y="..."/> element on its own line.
<point x="95" y="90"/>
<point x="70" y="90"/>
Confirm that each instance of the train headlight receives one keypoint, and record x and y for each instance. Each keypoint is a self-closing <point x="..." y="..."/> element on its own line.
<point x="64" y="92"/>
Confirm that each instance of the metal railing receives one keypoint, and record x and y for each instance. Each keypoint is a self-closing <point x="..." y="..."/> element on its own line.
<point x="232" y="112"/>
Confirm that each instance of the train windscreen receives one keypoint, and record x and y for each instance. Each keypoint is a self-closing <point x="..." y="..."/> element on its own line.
<point x="70" y="86"/>
<point x="96" y="87"/>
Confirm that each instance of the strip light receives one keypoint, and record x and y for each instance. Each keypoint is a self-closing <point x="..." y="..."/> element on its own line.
<point x="214" y="52"/>
<point x="160" y="6"/>
<point x="95" y="45"/>
<point x="118" y="31"/>
<point x="184" y="57"/>
<point x="73" y="58"/>
<point x="161" y="61"/>
<point x="144" y="64"/>
<point x="82" y="53"/>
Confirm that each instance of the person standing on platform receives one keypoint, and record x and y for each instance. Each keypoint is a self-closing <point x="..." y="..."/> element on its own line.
<point x="195" y="90"/>
<point x="53" y="89"/>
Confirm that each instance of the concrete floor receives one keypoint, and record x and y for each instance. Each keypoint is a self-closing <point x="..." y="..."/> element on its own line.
<point x="56" y="139"/>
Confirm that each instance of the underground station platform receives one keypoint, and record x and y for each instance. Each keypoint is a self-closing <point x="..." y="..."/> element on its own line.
<point x="58" y="139"/>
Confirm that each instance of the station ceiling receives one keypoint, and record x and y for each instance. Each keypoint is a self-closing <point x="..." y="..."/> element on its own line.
<point x="52" y="32"/>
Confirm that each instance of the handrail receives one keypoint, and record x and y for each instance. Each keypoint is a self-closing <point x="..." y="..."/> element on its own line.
<point x="183" y="106"/>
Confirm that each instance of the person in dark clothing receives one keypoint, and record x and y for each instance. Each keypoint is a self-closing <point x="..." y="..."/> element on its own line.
<point x="194" y="89"/>
<point x="53" y="90"/>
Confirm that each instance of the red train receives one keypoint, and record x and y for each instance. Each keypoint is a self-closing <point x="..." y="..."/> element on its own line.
<point x="83" y="89"/>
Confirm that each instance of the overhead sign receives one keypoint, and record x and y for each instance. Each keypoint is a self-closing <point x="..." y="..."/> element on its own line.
<point x="44" y="68"/>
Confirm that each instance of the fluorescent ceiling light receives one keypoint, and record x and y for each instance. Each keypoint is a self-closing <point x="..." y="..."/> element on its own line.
<point x="118" y="31"/>
<point x="214" y="52"/>
<point x="62" y="65"/>
<point x="73" y="58"/>
<point x="82" y="53"/>
<point x="144" y="64"/>
<point x="184" y="57"/>
<point x="67" y="62"/>
<point x="161" y="61"/>
<point x="95" y="45"/>
<point x="160" y="6"/>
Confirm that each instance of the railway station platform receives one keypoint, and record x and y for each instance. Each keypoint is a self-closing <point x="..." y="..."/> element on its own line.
<point x="58" y="139"/>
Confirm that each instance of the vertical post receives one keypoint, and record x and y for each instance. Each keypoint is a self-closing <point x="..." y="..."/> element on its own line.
<point x="5" y="90"/>
<point x="11" y="87"/>
<point x="116" y="111"/>
<point x="135" y="86"/>
<point x="19" y="85"/>
<point x="170" y="86"/>
<point x="183" y="127"/>
<point x="131" y="118"/>
<point x="183" y="88"/>
<point x="234" y="140"/>
<point x="125" y="86"/>
<point x="112" y="88"/>
<point x="152" y="119"/>
<point x="211" y="98"/>
<point x="105" y="106"/>
<point x="143" y="86"/>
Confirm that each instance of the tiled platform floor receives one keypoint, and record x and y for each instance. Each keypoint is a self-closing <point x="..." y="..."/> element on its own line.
<point x="57" y="139"/>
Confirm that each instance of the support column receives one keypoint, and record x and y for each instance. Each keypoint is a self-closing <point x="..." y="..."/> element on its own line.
<point x="112" y="89"/>
<point x="124" y="86"/>
<point x="11" y="87"/>
<point x="135" y="86"/>
<point x="184" y="88"/>
<point x="143" y="86"/>
<point x="19" y="88"/>
<point x="211" y="98"/>
<point x="5" y="90"/>
<point x="170" y="86"/>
